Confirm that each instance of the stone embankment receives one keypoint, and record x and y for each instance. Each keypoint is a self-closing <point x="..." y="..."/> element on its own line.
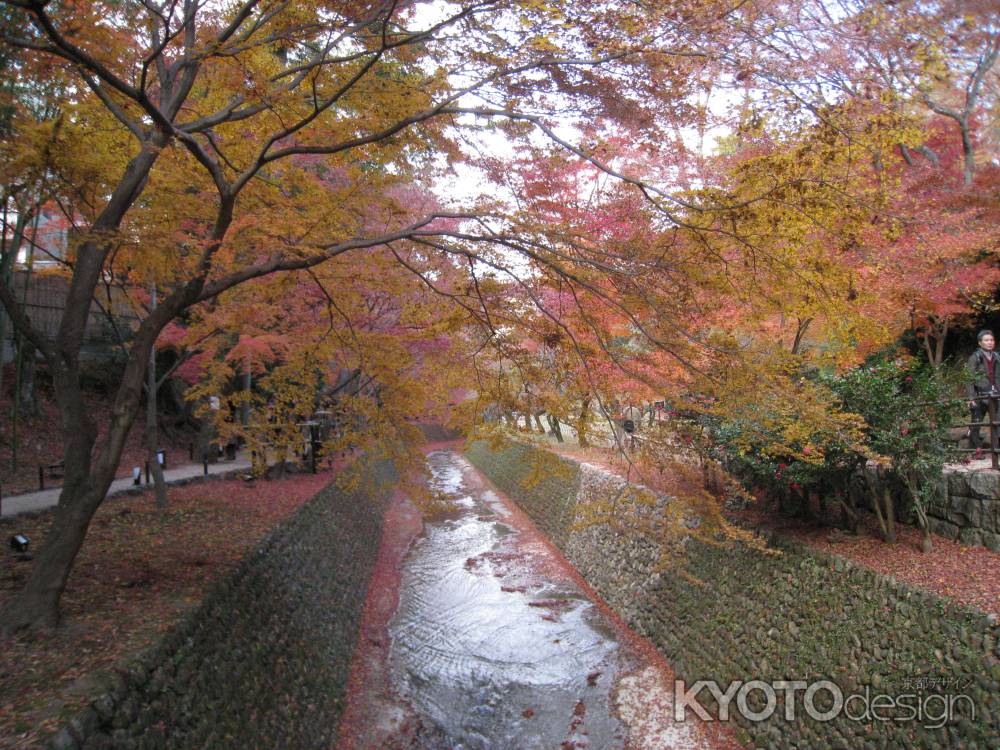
<point x="741" y="614"/>
<point x="263" y="661"/>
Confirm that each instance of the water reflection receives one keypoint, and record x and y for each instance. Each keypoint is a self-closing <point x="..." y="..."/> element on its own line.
<point x="490" y="653"/>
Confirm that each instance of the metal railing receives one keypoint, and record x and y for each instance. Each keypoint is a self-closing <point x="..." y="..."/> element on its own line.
<point x="992" y="425"/>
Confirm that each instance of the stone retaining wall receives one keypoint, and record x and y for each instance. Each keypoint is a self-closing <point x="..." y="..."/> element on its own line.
<point x="742" y="614"/>
<point x="967" y="507"/>
<point x="970" y="509"/>
<point x="263" y="661"/>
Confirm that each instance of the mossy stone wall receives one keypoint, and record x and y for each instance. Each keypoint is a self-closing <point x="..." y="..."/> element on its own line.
<point x="741" y="614"/>
<point x="263" y="661"/>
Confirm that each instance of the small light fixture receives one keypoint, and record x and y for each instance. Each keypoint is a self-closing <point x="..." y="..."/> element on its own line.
<point x="19" y="543"/>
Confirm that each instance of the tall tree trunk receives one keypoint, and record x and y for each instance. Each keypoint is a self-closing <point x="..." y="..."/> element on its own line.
<point x="538" y="422"/>
<point x="152" y="441"/>
<point x="23" y="348"/>
<point x="877" y="507"/>
<point x="913" y="484"/>
<point x="27" y="400"/>
<point x="876" y="501"/>
<point x="581" y="424"/>
<point x="8" y="254"/>
<point x="968" y="153"/>
<point x="247" y="384"/>
<point x="15" y="408"/>
<point x="800" y="332"/>
<point x="848" y="514"/>
<point x="87" y="477"/>
<point x="804" y="499"/>
<point x="824" y="509"/>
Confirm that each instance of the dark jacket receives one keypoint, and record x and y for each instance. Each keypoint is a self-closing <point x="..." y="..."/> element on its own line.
<point x="979" y="382"/>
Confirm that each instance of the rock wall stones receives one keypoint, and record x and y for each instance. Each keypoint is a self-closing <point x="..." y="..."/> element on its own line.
<point x="262" y="662"/>
<point x="741" y="614"/>
<point x="970" y="509"/>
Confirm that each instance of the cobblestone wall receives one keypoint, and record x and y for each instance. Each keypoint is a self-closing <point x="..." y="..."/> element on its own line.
<point x="742" y="614"/>
<point x="262" y="663"/>
<point x="970" y="509"/>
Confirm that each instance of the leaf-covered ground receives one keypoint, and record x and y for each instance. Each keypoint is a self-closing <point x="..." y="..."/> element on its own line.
<point x="970" y="575"/>
<point x="138" y="571"/>
<point x="40" y="441"/>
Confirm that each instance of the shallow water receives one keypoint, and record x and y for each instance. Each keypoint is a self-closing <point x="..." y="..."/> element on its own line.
<point x="491" y="652"/>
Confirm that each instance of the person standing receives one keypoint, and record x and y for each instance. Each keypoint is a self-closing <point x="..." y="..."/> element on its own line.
<point x="631" y="418"/>
<point x="984" y="369"/>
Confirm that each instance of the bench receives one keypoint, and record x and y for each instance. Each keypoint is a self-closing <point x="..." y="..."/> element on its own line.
<point x="52" y="471"/>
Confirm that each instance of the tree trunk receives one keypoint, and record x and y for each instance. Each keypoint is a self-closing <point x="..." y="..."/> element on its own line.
<point x="926" y="545"/>
<point x="968" y="152"/>
<point x="152" y="447"/>
<point x="538" y="422"/>
<point x="27" y="393"/>
<point x="824" y="509"/>
<point x="7" y="256"/>
<point x="15" y="406"/>
<point x="581" y="424"/>
<point x="206" y="447"/>
<point x="37" y="604"/>
<point x="877" y="507"/>
<point x="87" y="478"/>
<point x="784" y="499"/>
<point x="890" y="515"/>
<point x="876" y="501"/>
<point x="849" y="515"/>
<point x="556" y="429"/>
<point x="805" y="505"/>
<point x="247" y="384"/>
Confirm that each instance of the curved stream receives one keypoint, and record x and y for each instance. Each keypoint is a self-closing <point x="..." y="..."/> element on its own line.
<point x="489" y="650"/>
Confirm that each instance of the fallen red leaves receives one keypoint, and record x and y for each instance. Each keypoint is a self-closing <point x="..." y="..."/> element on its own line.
<point x="138" y="572"/>
<point x="970" y="575"/>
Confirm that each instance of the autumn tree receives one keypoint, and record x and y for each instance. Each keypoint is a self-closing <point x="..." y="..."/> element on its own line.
<point x="932" y="69"/>
<point x="206" y="147"/>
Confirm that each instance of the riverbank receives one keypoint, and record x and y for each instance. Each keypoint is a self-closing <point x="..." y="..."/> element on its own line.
<point x="732" y="612"/>
<point x="139" y="571"/>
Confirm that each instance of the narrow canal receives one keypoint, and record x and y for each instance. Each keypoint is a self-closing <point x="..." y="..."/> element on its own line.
<point x="493" y="644"/>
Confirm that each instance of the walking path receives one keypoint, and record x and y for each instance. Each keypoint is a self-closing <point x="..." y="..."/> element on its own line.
<point x="482" y="637"/>
<point x="34" y="501"/>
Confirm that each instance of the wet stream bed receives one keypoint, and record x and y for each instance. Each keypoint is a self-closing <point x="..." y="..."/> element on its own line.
<point x="495" y="645"/>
